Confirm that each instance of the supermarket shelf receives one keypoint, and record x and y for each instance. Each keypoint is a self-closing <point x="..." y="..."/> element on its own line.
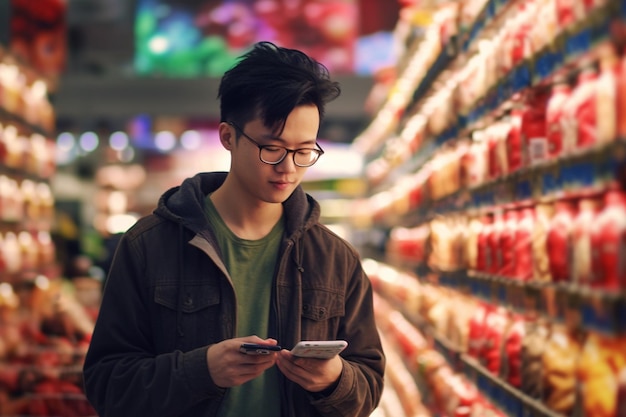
<point x="13" y="118"/>
<point x="511" y="400"/>
<point x="586" y="173"/>
<point x="22" y="174"/>
<point x="507" y="398"/>
<point x="600" y="309"/>
<point x="560" y="57"/>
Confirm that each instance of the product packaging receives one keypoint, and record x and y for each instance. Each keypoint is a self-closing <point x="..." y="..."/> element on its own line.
<point x="541" y="261"/>
<point x="608" y="241"/>
<point x="581" y="241"/>
<point x="508" y="242"/>
<point x="558" y="242"/>
<point x="560" y="363"/>
<point x="533" y="348"/>
<point x="524" y="244"/>
<point x="554" y="117"/>
<point x="602" y="361"/>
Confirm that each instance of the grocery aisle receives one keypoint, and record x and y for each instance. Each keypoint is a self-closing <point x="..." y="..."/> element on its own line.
<point x="492" y="226"/>
<point x="493" y="229"/>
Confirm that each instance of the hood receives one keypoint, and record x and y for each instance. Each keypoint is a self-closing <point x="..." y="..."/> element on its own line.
<point x="184" y="204"/>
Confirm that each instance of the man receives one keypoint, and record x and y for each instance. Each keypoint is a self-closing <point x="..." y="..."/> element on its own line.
<point x="240" y="257"/>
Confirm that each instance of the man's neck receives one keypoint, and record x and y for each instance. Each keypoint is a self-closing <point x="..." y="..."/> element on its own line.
<point x="247" y="219"/>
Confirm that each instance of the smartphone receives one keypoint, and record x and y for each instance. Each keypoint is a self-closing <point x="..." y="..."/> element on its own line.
<point x="321" y="349"/>
<point x="258" y="349"/>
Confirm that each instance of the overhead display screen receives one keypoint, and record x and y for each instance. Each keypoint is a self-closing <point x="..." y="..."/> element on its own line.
<point x="185" y="38"/>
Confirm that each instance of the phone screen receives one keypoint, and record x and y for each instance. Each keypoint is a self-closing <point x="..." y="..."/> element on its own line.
<point x="321" y="349"/>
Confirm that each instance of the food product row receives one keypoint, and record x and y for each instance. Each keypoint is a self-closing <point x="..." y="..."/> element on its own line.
<point x="24" y="95"/>
<point x="25" y="201"/>
<point x="506" y="53"/>
<point x="45" y="328"/>
<point x="578" y="241"/>
<point x="541" y="143"/>
<point x="423" y="382"/>
<point x="24" y="151"/>
<point x="524" y="363"/>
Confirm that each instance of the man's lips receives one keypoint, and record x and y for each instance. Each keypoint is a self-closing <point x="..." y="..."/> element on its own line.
<point x="281" y="184"/>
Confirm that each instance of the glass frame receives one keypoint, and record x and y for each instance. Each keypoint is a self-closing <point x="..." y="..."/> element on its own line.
<point x="317" y="150"/>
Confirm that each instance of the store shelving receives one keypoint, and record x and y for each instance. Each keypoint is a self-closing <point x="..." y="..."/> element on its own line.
<point x="427" y="197"/>
<point x="44" y="331"/>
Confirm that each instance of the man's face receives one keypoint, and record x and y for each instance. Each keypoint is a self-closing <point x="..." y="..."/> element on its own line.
<point x="273" y="183"/>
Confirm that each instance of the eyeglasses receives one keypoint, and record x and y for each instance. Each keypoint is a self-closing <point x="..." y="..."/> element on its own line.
<point x="274" y="155"/>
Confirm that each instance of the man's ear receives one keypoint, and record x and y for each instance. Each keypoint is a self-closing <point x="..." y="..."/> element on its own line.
<point x="227" y="135"/>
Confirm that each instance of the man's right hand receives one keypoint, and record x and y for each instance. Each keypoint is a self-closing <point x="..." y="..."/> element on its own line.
<point x="229" y="367"/>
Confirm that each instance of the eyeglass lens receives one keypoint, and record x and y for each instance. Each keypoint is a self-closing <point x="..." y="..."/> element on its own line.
<point x="302" y="157"/>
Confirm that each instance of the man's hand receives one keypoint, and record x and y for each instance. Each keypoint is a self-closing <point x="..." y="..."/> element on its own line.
<point x="312" y="374"/>
<point x="229" y="367"/>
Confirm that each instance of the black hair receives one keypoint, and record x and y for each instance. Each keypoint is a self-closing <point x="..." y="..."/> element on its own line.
<point x="269" y="82"/>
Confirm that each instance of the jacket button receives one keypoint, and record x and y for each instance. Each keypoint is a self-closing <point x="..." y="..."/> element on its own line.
<point x="188" y="302"/>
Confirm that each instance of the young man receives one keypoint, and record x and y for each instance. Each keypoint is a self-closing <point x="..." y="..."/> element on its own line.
<point x="240" y="257"/>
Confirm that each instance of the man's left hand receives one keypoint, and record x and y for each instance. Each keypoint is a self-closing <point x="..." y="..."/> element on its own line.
<point x="314" y="375"/>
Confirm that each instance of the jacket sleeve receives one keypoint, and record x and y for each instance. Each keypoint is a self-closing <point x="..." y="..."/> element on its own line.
<point x="123" y="375"/>
<point x="361" y="383"/>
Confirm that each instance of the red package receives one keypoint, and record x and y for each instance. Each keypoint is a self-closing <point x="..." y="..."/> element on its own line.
<point x="496" y="324"/>
<point x="512" y="363"/>
<point x="585" y="103"/>
<point x="566" y="12"/>
<point x="534" y="129"/>
<point x="608" y="240"/>
<point x="475" y="164"/>
<point x="554" y="118"/>
<point x="477" y="330"/>
<point x="508" y="241"/>
<point x="518" y="39"/>
<point x="558" y="241"/>
<point x="514" y="141"/>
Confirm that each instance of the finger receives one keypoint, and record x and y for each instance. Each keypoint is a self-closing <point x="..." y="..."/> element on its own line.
<point x="264" y="361"/>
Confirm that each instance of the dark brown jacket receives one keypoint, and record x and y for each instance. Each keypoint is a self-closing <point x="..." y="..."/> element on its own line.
<point x="168" y="297"/>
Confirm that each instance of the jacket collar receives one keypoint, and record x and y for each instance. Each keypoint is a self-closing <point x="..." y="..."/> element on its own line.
<point x="184" y="204"/>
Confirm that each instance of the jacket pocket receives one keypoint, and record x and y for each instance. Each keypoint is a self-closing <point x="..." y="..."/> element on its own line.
<point x="322" y="311"/>
<point x="194" y="323"/>
<point x="322" y="305"/>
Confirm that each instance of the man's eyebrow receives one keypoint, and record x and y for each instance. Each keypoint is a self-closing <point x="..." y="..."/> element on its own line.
<point x="270" y="136"/>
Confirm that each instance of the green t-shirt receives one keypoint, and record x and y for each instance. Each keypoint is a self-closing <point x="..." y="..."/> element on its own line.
<point x="251" y="265"/>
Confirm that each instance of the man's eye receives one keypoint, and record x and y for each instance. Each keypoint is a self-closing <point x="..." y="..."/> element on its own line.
<point x="275" y="149"/>
<point x="304" y="152"/>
